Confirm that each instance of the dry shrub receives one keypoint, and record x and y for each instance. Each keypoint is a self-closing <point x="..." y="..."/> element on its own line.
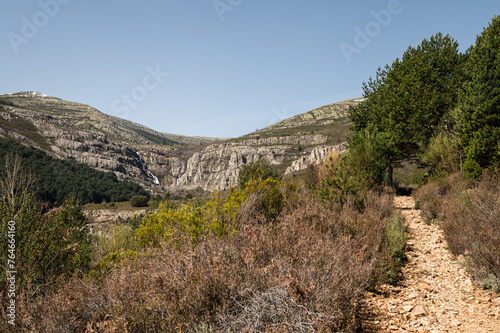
<point x="470" y="216"/>
<point x="472" y="224"/>
<point x="306" y="271"/>
<point x="429" y="198"/>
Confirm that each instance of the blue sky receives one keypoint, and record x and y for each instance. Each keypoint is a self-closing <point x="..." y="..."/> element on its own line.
<point x="220" y="68"/>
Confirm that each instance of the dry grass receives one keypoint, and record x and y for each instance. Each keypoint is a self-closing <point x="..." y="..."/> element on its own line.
<point x="304" y="272"/>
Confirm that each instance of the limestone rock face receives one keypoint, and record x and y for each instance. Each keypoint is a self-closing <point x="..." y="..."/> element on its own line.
<point x="318" y="155"/>
<point x="159" y="161"/>
<point x="218" y="165"/>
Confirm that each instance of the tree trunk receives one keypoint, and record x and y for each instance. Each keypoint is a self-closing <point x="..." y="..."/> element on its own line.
<point x="389" y="176"/>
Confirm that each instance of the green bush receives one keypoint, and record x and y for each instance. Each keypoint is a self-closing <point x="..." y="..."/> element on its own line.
<point x="260" y="169"/>
<point x="120" y="238"/>
<point x="48" y="246"/>
<point x="340" y="184"/>
<point x="139" y="201"/>
<point x="442" y="156"/>
<point x="397" y="239"/>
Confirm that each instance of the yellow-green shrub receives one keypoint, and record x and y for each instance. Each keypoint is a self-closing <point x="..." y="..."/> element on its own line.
<point x="219" y="217"/>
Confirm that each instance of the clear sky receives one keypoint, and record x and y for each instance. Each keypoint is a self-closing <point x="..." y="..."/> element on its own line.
<point x="220" y="68"/>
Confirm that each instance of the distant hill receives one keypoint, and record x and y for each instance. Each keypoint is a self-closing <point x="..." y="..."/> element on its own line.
<point x="56" y="179"/>
<point x="331" y="120"/>
<point x="166" y="162"/>
<point x="84" y="117"/>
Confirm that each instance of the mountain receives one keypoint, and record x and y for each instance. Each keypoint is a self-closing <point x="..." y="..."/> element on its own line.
<point x="166" y="162"/>
<point x="331" y="120"/>
<point x="84" y="117"/>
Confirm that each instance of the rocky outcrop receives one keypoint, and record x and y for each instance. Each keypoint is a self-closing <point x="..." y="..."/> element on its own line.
<point x="218" y="166"/>
<point x="318" y="154"/>
<point x="75" y="131"/>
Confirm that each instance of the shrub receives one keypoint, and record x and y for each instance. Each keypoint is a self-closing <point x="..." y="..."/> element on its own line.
<point x="442" y="155"/>
<point x="397" y="239"/>
<point x="139" y="201"/>
<point x="48" y="246"/>
<point x="260" y="169"/>
<point x="260" y="201"/>
<point x="263" y="258"/>
<point x="471" y="225"/>
<point x="365" y="157"/>
<point x="470" y="215"/>
<point x="120" y="238"/>
<point x="339" y="184"/>
<point x="306" y="271"/>
<point x="429" y="202"/>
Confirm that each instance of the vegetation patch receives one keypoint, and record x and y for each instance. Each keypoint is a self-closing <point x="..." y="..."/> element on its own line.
<point x="56" y="179"/>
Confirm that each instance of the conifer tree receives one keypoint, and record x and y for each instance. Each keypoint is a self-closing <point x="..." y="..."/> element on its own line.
<point x="407" y="101"/>
<point x="479" y="106"/>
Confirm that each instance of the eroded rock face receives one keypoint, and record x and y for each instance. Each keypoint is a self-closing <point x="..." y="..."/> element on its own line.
<point x="81" y="133"/>
<point x="318" y="155"/>
<point x="218" y="165"/>
<point x="63" y="140"/>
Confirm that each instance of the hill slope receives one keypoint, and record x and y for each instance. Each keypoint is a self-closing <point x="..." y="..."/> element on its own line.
<point x="165" y="162"/>
<point x="331" y="120"/>
<point x="84" y="117"/>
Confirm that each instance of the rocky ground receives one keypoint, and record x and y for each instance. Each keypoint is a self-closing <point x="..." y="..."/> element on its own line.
<point x="436" y="293"/>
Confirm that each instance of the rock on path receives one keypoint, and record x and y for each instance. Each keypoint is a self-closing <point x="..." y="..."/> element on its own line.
<point x="436" y="293"/>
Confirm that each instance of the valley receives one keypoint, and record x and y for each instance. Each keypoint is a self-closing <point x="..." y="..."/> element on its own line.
<point x="163" y="162"/>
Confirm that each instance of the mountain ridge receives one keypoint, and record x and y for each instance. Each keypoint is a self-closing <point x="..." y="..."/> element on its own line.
<point x="84" y="117"/>
<point x="161" y="162"/>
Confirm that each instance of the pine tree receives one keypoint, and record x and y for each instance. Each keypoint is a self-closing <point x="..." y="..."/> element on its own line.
<point x="479" y="106"/>
<point x="407" y="101"/>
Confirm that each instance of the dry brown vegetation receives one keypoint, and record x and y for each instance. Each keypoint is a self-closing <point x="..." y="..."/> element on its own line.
<point x="305" y="271"/>
<point x="470" y="215"/>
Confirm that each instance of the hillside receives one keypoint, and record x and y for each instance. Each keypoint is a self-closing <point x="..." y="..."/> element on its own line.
<point x="55" y="179"/>
<point x="84" y="117"/>
<point x="331" y="120"/>
<point x="166" y="162"/>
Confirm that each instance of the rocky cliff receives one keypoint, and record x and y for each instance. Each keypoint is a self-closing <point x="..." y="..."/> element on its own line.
<point x="164" y="162"/>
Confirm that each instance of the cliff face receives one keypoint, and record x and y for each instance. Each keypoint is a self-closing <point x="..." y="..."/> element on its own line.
<point x="74" y="131"/>
<point x="218" y="165"/>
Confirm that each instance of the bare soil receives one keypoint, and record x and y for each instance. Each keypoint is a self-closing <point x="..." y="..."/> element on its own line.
<point x="436" y="293"/>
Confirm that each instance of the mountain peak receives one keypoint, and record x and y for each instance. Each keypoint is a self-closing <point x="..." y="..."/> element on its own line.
<point x="33" y="94"/>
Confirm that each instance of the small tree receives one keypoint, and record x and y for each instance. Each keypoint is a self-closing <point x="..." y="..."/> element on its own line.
<point x="16" y="182"/>
<point x="408" y="101"/>
<point x="260" y="169"/>
<point x="47" y="246"/>
<point x="139" y="201"/>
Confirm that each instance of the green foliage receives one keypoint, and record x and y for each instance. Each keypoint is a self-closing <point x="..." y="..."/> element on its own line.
<point x="442" y="156"/>
<point x="139" y="201"/>
<point x="171" y="223"/>
<point x="120" y="238"/>
<point x="408" y="100"/>
<point x="48" y="246"/>
<point x="56" y="179"/>
<point x="219" y="217"/>
<point x="397" y="239"/>
<point x="479" y="115"/>
<point x="265" y="200"/>
<point x="340" y="184"/>
<point x="365" y="157"/>
<point x="362" y="167"/>
<point x="260" y="169"/>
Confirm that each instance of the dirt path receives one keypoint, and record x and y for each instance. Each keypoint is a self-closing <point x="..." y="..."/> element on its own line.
<point x="436" y="293"/>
